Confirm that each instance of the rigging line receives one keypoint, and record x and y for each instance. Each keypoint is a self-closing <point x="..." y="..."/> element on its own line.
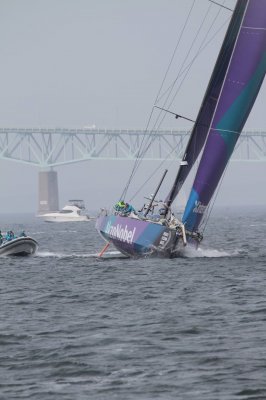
<point x="196" y="55"/>
<point x="173" y="56"/>
<point x="221" y="5"/>
<point x="156" y="126"/>
<point x="141" y="153"/>
<point x="137" y="163"/>
<point x="154" y="172"/>
<point x="188" y="67"/>
<point x="187" y="56"/>
<point x="201" y="47"/>
<point x="147" y="144"/>
<point x="154" y="130"/>
<point x="157" y="120"/>
<point x="199" y="50"/>
<point x="176" y="115"/>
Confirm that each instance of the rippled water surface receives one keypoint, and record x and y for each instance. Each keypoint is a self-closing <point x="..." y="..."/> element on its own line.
<point x="76" y="327"/>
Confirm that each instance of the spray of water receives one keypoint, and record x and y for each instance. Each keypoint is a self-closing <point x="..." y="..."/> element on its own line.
<point x="191" y="252"/>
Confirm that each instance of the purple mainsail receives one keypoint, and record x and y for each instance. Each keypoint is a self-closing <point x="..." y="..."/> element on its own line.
<point x="240" y="85"/>
<point x="205" y="114"/>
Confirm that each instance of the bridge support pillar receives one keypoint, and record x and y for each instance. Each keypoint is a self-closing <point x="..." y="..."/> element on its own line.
<point x="48" y="191"/>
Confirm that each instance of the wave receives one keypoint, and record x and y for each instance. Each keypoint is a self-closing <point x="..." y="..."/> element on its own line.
<point x="107" y="255"/>
<point x="191" y="252"/>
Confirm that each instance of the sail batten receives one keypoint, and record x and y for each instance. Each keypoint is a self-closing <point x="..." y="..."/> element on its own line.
<point x="242" y="82"/>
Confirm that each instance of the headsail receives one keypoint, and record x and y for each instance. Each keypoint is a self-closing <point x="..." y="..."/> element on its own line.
<point x="202" y="124"/>
<point x="241" y="84"/>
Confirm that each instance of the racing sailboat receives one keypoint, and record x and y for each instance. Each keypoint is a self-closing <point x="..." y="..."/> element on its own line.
<point x="232" y="90"/>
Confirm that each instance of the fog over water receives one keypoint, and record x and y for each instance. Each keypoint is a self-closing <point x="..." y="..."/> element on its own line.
<point x="80" y="63"/>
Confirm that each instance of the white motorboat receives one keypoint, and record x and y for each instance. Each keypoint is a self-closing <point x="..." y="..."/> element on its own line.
<point x="74" y="211"/>
<point x="19" y="246"/>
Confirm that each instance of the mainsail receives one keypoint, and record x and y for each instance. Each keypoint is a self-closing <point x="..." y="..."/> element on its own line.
<point x="205" y="114"/>
<point x="241" y="82"/>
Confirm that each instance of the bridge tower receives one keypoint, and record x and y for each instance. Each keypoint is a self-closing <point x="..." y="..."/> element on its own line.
<point x="48" y="191"/>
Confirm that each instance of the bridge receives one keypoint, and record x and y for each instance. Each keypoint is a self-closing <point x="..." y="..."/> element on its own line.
<point x="46" y="148"/>
<point x="49" y="148"/>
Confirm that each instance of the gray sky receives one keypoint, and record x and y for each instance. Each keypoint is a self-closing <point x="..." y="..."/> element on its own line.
<point x="76" y="63"/>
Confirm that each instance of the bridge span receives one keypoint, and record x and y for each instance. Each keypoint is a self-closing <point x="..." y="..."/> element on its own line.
<point x="46" y="148"/>
<point x="49" y="148"/>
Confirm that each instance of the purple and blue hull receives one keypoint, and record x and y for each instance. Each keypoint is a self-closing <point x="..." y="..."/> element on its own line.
<point x="137" y="238"/>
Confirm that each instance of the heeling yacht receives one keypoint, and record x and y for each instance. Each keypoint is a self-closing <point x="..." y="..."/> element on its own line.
<point x="74" y="211"/>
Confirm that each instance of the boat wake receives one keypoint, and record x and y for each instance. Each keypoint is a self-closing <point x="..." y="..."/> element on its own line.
<point x="186" y="252"/>
<point x="107" y="255"/>
<point x="190" y="252"/>
<point x="62" y="255"/>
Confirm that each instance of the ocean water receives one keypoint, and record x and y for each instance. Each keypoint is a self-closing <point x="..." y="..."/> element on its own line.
<point x="77" y="327"/>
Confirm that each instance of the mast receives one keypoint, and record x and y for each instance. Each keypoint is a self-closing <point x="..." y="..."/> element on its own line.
<point x="155" y="193"/>
<point x="241" y="83"/>
<point x="201" y="127"/>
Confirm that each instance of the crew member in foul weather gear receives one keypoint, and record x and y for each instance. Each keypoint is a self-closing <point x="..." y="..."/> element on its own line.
<point x="120" y="205"/>
<point x="8" y="236"/>
<point x="128" y="209"/>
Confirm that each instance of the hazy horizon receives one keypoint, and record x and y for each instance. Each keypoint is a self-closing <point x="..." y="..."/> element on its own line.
<point x="84" y="63"/>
